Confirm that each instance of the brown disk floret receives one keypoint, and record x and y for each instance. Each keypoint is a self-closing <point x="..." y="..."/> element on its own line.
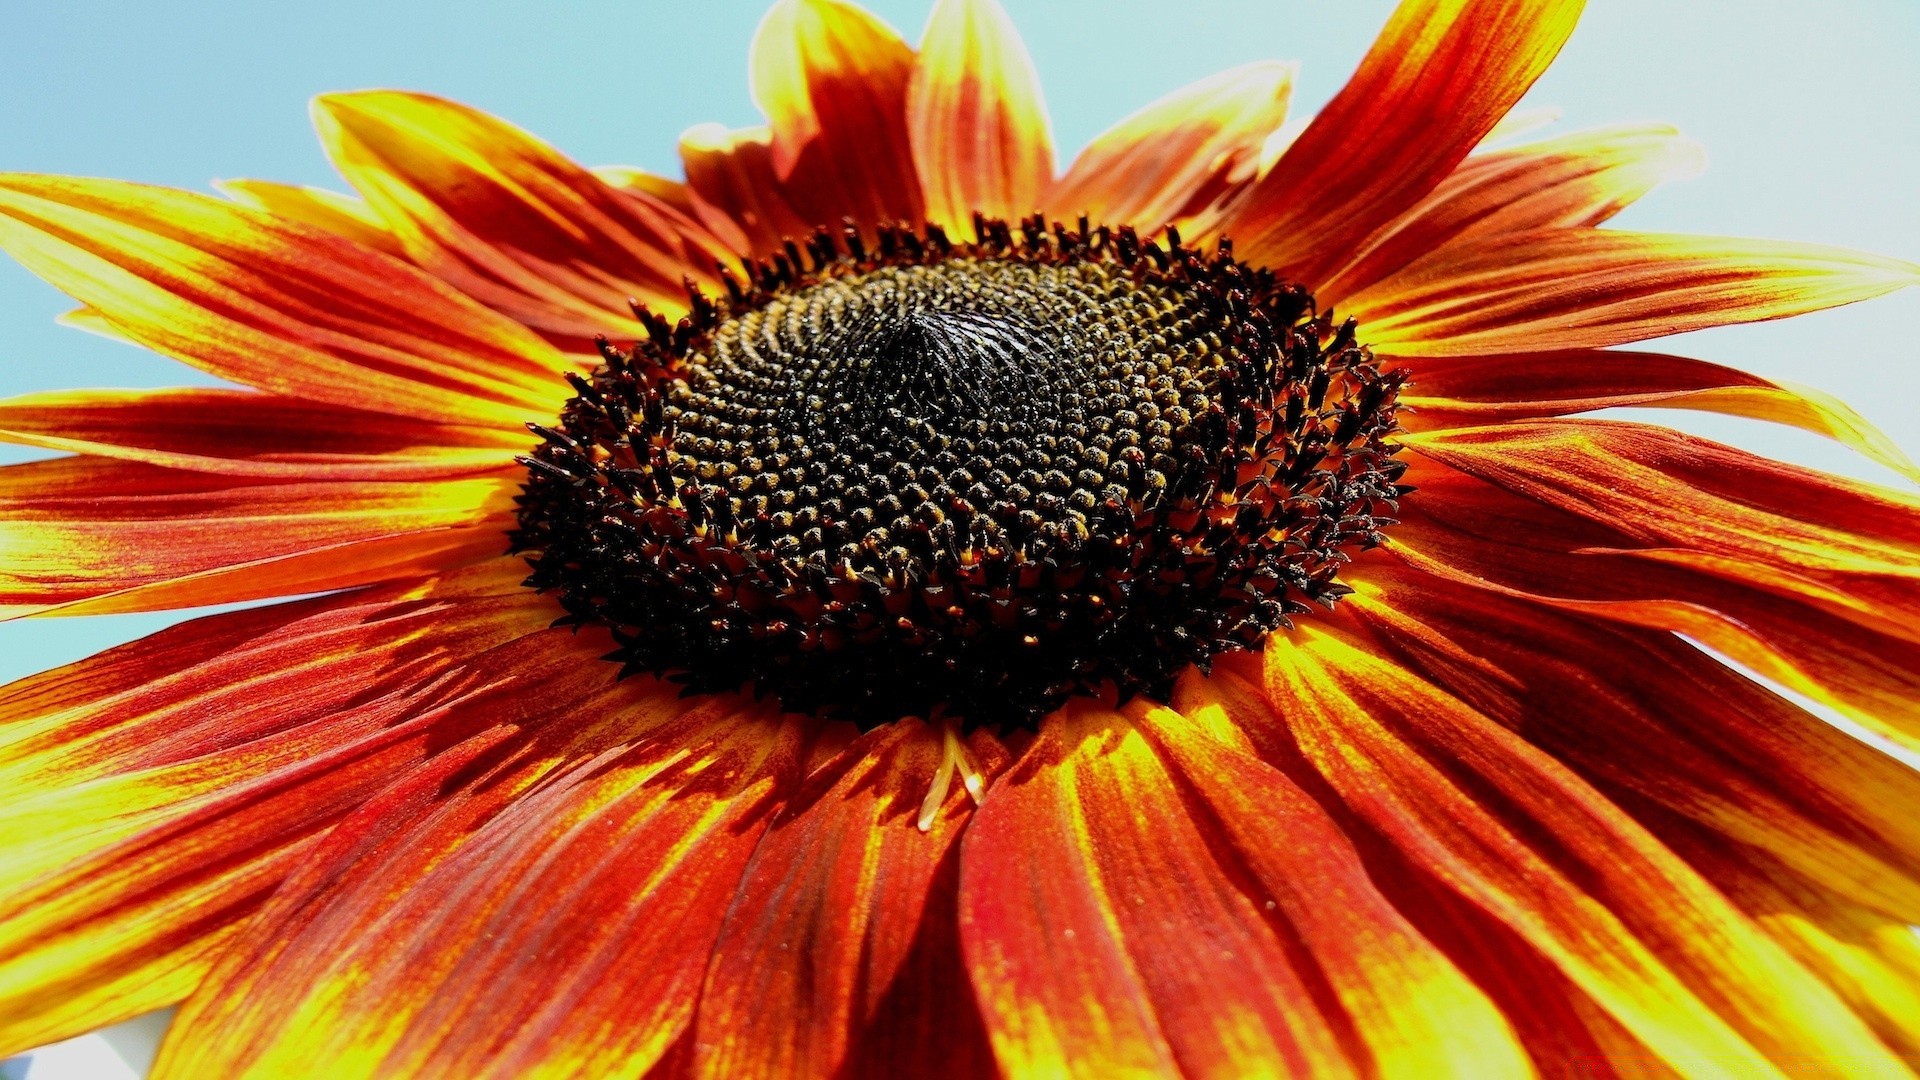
<point x="979" y="477"/>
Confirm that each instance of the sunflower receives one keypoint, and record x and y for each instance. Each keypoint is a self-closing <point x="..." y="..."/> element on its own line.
<point x="881" y="607"/>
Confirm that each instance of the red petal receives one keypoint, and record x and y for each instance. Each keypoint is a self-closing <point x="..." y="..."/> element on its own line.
<point x="1576" y="181"/>
<point x="244" y="433"/>
<point x="156" y="793"/>
<point x="276" y="304"/>
<point x="511" y="221"/>
<point x="841" y="952"/>
<point x="978" y="124"/>
<point x="1442" y="73"/>
<point x="1468" y="391"/>
<point x="549" y="908"/>
<point x="94" y="535"/>
<point x="1589" y="288"/>
<point x="832" y="80"/>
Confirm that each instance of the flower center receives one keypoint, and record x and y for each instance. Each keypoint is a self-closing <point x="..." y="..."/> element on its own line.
<point x="966" y="478"/>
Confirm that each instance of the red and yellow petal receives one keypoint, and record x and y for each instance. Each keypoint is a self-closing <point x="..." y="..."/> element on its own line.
<point x="1138" y="898"/>
<point x="1180" y="160"/>
<point x="1576" y="181"/>
<point x="1474" y="809"/>
<point x="277" y="304"/>
<point x="546" y="908"/>
<point x="832" y="81"/>
<point x="1590" y="288"/>
<point x="91" y="535"/>
<point x="511" y="221"/>
<point x="342" y="215"/>
<point x="245" y="433"/>
<point x="155" y="794"/>
<point x="1472" y="391"/>
<point x="841" y="952"/>
<point x="979" y="127"/>
<point x="1439" y="77"/>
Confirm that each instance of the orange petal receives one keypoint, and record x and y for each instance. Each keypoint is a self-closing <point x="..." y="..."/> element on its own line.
<point x="342" y="215"/>
<point x="1469" y="391"/>
<point x="244" y="433"/>
<point x="87" y="535"/>
<point x="841" y="952"/>
<point x="276" y="304"/>
<point x="1576" y="181"/>
<point x="1180" y="159"/>
<point x="1128" y="904"/>
<point x="156" y="793"/>
<point x="1439" y="78"/>
<point x="1589" y="288"/>
<point x="979" y="126"/>
<point x="832" y="81"/>
<point x="1478" y="811"/>
<point x="508" y="219"/>
<point x="548" y="912"/>
<point x="735" y="190"/>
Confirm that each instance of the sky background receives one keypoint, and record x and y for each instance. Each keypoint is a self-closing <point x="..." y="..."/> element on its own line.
<point x="1810" y="113"/>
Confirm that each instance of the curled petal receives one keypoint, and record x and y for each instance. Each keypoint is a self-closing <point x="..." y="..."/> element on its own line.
<point x="1590" y="288"/>
<point x="1178" y="160"/>
<point x="979" y="126"/>
<point x="277" y="304"/>
<point x="832" y="80"/>
<point x="1436" y="81"/>
<point x="735" y="190"/>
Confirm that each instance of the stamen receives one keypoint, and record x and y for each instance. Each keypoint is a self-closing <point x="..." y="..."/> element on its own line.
<point x="953" y="759"/>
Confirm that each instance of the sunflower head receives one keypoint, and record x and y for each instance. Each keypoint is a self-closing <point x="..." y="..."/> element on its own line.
<point x="979" y="477"/>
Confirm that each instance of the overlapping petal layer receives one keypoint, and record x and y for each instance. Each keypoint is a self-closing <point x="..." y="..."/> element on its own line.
<point x="272" y="303"/>
<point x="1084" y="959"/>
<point x="510" y="221"/>
<point x="1439" y="77"/>
<point x="590" y="858"/>
<point x="845" y="926"/>
<point x="157" y="793"/>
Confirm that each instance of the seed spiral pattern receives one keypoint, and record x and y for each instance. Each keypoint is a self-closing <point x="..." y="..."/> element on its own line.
<point x="972" y="478"/>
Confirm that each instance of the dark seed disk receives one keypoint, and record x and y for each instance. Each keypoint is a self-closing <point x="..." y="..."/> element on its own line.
<point x="982" y="477"/>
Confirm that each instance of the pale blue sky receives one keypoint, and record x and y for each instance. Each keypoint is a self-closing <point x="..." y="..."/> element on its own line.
<point x="1810" y="112"/>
